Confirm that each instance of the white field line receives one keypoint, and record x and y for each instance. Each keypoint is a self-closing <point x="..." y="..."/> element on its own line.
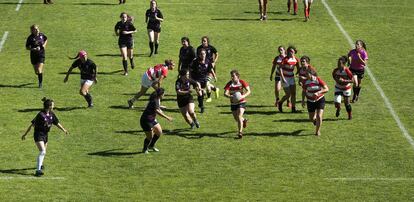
<point x="3" y="39"/>
<point x="19" y="5"/>
<point x="374" y="80"/>
<point x="369" y="179"/>
<point x="31" y="178"/>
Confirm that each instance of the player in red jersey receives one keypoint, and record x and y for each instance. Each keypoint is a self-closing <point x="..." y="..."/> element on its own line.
<point x="344" y="79"/>
<point x="238" y="104"/>
<point x="315" y="88"/>
<point x="302" y="74"/>
<point x="288" y="78"/>
<point x="306" y="7"/>
<point x="295" y="6"/>
<point x="263" y="9"/>
<point x="153" y="77"/>
<point x="277" y="61"/>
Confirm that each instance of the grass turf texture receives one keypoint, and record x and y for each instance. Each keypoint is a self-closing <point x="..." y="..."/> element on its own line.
<point x="278" y="159"/>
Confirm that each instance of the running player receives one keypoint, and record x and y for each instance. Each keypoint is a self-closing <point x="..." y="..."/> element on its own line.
<point x="302" y="74"/>
<point x="185" y="99"/>
<point x="153" y="18"/>
<point x="42" y="124"/>
<point x="153" y="77"/>
<point x="295" y="6"/>
<point x="211" y="51"/>
<point x="187" y="54"/>
<point x="277" y="61"/>
<point x="343" y="81"/>
<point x="88" y="71"/>
<point x="200" y="70"/>
<point x="36" y="43"/>
<point x="124" y="29"/>
<point x="238" y="106"/>
<point x="358" y="58"/>
<point x="263" y="9"/>
<point x="288" y="78"/>
<point x="315" y="88"/>
<point x="306" y="8"/>
<point x="149" y="123"/>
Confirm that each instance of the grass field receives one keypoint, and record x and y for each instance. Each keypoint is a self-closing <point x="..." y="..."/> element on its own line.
<point x="279" y="159"/>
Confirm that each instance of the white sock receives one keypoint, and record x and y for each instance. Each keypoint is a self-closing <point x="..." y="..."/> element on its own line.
<point x="40" y="159"/>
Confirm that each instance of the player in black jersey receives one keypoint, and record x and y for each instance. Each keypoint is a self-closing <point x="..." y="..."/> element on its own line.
<point x="187" y="54"/>
<point x="42" y="124"/>
<point x="36" y="43"/>
<point x="124" y="29"/>
<point x="185" y="99"/>
<point x="153" y="18"/>
<point x="211" y="51"/>
<point x="88" y="72"/>
<point x="200" y="70"/>
<point x="149" y="123"/>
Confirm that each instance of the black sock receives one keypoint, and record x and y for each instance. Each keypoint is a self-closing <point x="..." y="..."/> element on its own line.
<point x="151" y="45"/>
<point x="358" y="89"/>
<point x="200" y="101"/>
<point x="131" y="60"/>
<point x="355" y="92"/>
<point x="156" y="48"/>
<point x="146" y="143"/>
<point x="348" y="108"/>
<point x="154" y="140"/>
<point x="125" y="65"/>
<point x="40" y="78"/>
<point x="208" y="94"/>
<point x="88" y="98"/>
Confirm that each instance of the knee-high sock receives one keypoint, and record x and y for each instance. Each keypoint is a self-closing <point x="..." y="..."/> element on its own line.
<point x="40" y="159"/>
<point x="348" y="108"/>
<point x="200" y="101"/>
<point x="288" y="5"/>
<point x="295" y="7"/>
<point x="125" y="65"/>
<point x="358" y="90"/>
<point x="151" y="45"/>
<point x="131" y="61"/>
<point x="156" y="48"/>
<point x="146" y="143"/>
<point x="154" y="140"/>
<point x="40" y="78"/>
<point x="88" y="98"/>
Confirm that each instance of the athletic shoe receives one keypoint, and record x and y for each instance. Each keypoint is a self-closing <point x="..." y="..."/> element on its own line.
<point x="90" y="105"/>
<point x="337" y="112"/>
<point x="39" y="173"/>
<point x="40" y="85"/>
<point x="197" y="124"/>
<point x="42" y="167"/>
<point x="145" y="151"/>
<point x="240" y="135"/>
<point x="265" y="17"/>
<point x="201" y="109"/>
<point x="130" y="104"/>
<point x="208" y="99"/>
<point x="245" y="123"/>
<point x="279" y="106"/>
<point x="217" y="93"/>
<point x="154" y="149"/>
<point x="192" y="125"/>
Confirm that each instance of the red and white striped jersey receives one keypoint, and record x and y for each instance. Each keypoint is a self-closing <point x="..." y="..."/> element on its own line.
<point x="154" y="73"/>
<point x="237" y="87"/>
<point x="345" y="74"/>
<point x="288" y="66"/>
<point x="278" y="61"/>
<point x="313" y="86"/>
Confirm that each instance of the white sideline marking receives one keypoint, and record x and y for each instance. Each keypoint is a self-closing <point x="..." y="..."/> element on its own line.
<point x="374" y="80"/>
<point x="3" y="39"/>
<point x="19" y="5"/>
<point x="369" y="179"/>
<point x="32" y="178"/>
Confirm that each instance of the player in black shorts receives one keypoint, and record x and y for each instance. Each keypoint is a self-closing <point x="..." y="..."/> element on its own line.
<point x="153" y="18"/>
<point x="199" y="71"/>
<point x="187" y="54"/>
<point x="122" y="1"/>
<point x="36" y="43"/>
<point x="88" y="72"/>
<point x="185" y="99"/>
<point x="124" y="29"/>
<point x="149" y="123"/>
<point x="42" y="124"/>
<point x="212" y="54"/>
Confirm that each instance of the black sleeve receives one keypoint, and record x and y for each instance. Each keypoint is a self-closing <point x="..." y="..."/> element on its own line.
<point x="132" y="27"/>
<point x="55" y="119"/>
<point x="44" y="36"/>
<point x="213" y="50"/>
<point x="28" y="45"/>
<point x="117" y="26"/>
<point x="93" y="65"/>
<point x="38" y="117"/>
<point x="192" y="53"/>
<point x="160" y="14"/>
<point x="76" y="63"/>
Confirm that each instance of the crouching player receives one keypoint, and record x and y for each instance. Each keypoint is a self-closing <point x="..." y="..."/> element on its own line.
<point x="343" y="81"/>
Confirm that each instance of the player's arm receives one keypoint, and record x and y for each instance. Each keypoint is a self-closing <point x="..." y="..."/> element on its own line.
<point x="273" y="70"/>
<point x="27" y="131"/>
<point x="62" y="128"/>
<point x="161" y="113"/>
<point x="67" y="74"/>
<point x="247" y="88"/>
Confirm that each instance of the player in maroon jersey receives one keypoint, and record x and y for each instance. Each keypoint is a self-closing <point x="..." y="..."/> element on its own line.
<point x="343" y="80"/>
<point x="277" y="62"/>
<point x="295" y="6"/>
<point x="288" y="77"/>
<point x="238" y="105"/>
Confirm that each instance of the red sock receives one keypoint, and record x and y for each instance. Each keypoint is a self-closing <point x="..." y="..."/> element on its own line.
<point x="295" y="7"/>
<point x="308" y="10"/>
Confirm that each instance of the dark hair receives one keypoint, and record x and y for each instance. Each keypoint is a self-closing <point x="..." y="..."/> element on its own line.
<point x="33" y="26"/>
<point x="47" y="103"/>
<point x="123" y="14"/>
<point x="168" y="62"/>
<point x="234" y="71"/>
<point x="305" y="58"/>
<point x="343" y="59"/>
<point x="201" y="50"/>
<point x="206" y="37"/>
<point x="183" y="72"/>
<point x="362" y="42"/>
<point x="311" y="71"/>
<point x="291" y="48"/>
<point x="157" y="93"/>
<point x="184" y="38"/>
<point x="278" y="48"/>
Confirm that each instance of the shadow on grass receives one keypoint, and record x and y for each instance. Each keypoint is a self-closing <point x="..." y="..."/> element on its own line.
<point x="24" y="85"/>
<point x="303" y="120"/>
<point x="125" y="107"/>
<point x="119" y="55"/>
<point x="130" y="132"/>
<point x="61" y="109"/>
<point x="20" y="171"/>
<point x="15" y="3"/>
<point x="113" y="152"/>
<point x="185" y="133"/>
<point x="110" y="73"/>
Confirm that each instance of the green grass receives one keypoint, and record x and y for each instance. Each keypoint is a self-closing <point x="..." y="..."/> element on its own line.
<point x="278" y="160"/>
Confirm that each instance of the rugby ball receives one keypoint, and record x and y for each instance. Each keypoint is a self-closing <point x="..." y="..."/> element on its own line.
<point x="237" y="96"/>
